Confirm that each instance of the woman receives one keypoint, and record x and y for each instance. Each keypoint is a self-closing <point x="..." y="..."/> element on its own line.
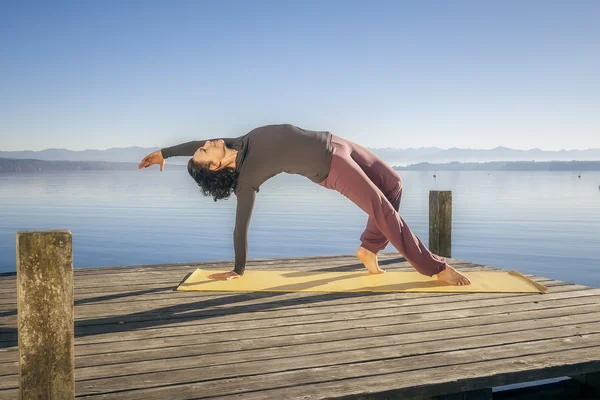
<point x="240" y="165"/>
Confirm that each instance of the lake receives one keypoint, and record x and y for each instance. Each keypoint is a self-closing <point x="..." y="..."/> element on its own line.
<point x="544" y="223"/>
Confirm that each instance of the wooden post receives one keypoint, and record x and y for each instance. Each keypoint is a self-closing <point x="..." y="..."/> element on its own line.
<point x="440" y="222"/>
<point x="45" y="314"/>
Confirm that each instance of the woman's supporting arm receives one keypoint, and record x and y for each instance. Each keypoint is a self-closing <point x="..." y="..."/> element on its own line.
<point x="246" y="195"/>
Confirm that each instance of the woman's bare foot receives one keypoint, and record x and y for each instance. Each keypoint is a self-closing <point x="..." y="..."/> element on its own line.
<point x="453" y="277"/>
<point x="369" y="259"/>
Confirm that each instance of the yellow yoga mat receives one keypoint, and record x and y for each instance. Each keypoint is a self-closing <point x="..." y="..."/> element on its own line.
<point x="391" y="281"/>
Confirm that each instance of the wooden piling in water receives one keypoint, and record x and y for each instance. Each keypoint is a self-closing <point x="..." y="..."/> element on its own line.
<point x="45" y="315"/>
<point x="440" y="222"/>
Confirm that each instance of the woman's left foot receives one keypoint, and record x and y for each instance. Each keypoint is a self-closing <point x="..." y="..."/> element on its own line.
<point x="453" y="277"/>
<point x="369" y="259"/>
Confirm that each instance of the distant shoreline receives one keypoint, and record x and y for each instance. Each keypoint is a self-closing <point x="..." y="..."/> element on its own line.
<point x="505" y="166"/>
<point x="12" y="165"/>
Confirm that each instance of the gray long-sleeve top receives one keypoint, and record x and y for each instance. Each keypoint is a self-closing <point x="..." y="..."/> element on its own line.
<point x="263" y="153"/>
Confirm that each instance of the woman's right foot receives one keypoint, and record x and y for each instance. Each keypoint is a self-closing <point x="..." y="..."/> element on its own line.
<point x="453" y="277"/>
<point x="369" y="259"/>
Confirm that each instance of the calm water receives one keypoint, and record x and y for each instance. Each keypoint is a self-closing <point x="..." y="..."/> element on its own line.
<point x="545" y="223"/>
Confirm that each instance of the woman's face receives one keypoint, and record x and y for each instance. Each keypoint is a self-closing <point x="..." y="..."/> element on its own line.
<point x="211" y="153"/>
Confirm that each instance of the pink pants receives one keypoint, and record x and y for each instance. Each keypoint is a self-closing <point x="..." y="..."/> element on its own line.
<point x="376" y="188"/>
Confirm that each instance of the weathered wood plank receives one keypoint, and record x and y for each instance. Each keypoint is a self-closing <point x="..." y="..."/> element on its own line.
<point x="220" y="321"/>
<point x="316" y="333"/>
<point x="482" y="368"/>
<point x="267" y="310"/>
<point x="181" y="346"/>
<point x="138" y="358"/>
<point x="137" y="331"/>
<point x="227" y="364"/>
<point x="318" y="303"/>
<point x="338" y="352"/>
<point x="308" y="315"/>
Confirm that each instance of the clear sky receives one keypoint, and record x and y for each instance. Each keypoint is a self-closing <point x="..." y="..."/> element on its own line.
<point x="478" y="74"/>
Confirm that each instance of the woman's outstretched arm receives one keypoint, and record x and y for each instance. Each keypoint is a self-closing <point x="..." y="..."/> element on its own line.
<point x="185" y="149"/>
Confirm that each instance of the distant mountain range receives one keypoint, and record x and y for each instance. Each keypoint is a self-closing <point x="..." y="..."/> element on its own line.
<point x="125" y="154"/>
<point x="399" y="157"/>
<point x="404" y="157"/>
<point x="31" y="165"/>
<point x="507" y="166"/>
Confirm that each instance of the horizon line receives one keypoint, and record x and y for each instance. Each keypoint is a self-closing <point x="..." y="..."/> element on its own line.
<point x="368" y="147"/>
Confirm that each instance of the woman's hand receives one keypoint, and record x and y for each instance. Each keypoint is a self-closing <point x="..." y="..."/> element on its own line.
<point x="224" y="275"/>
<point x="152" y="159"/>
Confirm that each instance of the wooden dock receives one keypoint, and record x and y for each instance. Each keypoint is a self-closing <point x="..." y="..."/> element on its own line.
<point x="138" y="338"/>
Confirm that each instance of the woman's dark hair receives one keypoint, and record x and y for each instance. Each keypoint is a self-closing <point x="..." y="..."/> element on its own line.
<point x="218" y="184"/>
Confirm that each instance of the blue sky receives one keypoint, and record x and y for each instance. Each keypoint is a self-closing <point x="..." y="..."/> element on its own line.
<point x="104" y="74"/>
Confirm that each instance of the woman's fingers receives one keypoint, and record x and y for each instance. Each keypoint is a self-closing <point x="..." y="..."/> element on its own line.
<point x="146" y="162"/>
<point x="143" y="162"/>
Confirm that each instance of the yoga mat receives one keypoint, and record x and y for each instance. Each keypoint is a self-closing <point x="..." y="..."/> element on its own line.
<point x="391" y="281"/>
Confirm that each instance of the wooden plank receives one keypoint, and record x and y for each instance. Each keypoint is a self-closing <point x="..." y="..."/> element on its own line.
<point x="270" y="310"/>
<point x="226" y="364"/>
<point x="220" y="321"/>
<point x="321" y="305"/>
<point x="111" y="314"/>
<point x="405" y="303"/>
<point x="270" y="337"/>
<point x="144" y="328"/>
<point x="540" y="358"/>
<point x="166" y="334"/>
<point x="136" y="333"/>
<point x="273" y="347"/>
<point x="111" y="354"/>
